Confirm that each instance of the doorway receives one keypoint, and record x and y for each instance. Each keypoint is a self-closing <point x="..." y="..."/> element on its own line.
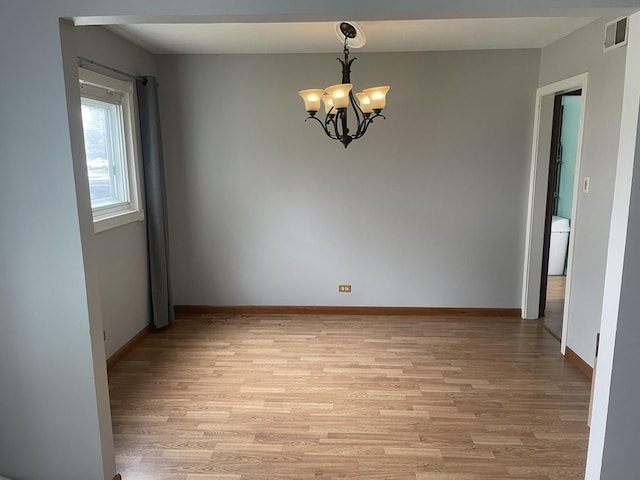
<point x="539" y="224"/>
<point x="559" y="207"/>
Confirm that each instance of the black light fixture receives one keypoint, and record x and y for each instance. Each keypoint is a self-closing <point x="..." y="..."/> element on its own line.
<point x="339" y="99"/>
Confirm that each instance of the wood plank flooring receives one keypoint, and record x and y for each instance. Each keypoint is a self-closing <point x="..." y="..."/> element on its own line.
<point x="554" y="308"/>
<point x="349" y="397"/>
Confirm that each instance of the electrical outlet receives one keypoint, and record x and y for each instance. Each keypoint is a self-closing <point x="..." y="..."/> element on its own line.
<point x="344" y="288"/>
<point x="586" y="183"/>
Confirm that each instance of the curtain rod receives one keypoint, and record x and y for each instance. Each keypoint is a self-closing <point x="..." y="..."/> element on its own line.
<point x="83" y="61"/>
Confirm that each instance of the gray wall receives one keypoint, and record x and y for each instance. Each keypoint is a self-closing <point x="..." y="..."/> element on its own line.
<point x="578" y="53"/>
<point x="54" y="422"/>
<point x="428" y="209"/>
<point x="121" y="253"/>
<point x="620" y="459"/>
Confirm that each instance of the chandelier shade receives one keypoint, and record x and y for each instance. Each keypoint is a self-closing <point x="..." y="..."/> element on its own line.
<point x="340" y="101"/>
<point x="311" y="99"/>
<point x="328" y="105"/>
<point x="339" y="94"/>
<point x="365" y="102"/>
<point x="377" y="96"/>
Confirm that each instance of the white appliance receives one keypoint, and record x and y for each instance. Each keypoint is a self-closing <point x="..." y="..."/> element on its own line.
<point x="560" y="229"/>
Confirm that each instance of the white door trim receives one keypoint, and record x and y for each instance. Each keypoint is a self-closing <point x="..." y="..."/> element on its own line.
<point x="533" y="255"/>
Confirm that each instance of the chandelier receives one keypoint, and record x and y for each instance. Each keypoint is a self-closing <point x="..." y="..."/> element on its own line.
<point x="339" y="99"/>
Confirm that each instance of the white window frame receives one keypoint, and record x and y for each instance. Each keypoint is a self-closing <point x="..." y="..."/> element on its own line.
<point x="100" y="87"/>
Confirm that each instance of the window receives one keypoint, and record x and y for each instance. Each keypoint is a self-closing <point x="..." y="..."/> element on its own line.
<point x="111" y="149"/>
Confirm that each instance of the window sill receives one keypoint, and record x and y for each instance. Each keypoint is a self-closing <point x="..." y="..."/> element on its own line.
<point x="117" y="220"/>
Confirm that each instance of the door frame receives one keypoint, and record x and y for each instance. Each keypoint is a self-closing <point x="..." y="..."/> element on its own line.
<point x="531" y="276"/>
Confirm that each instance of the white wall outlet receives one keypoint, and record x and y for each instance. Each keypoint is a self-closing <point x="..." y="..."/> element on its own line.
<point x="586" y="183"/>
<point x="344" y="288"/>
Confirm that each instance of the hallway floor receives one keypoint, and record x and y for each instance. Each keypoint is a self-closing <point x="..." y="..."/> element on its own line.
<point x="554" y="309"/>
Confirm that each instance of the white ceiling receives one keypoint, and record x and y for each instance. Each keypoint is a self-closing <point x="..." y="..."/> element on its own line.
<point x="382" y="36"/>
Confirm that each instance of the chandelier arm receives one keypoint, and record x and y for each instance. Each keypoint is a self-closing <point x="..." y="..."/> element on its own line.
<point x="368" y="121"/>
<point x="326" y="126"/>
<point x="360" y="117"/>
<point x="313" y="118"/>
<point x="323" y="125"/>
<point x="334" y="122"/>
<point x="331" y="122"/>
<point x="362" y="128"/>
<point x="345" y="128"/>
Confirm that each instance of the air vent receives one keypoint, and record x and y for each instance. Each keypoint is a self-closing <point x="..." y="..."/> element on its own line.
<point x="615" y="33"/>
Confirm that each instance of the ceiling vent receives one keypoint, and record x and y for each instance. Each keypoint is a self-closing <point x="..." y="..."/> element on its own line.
<point x="615" y="33"/>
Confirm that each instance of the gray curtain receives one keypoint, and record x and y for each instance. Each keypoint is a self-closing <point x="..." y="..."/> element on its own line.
<point x="156" y="202"/>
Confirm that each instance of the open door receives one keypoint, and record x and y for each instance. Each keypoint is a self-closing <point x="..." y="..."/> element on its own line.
<point x="559" y="203"/>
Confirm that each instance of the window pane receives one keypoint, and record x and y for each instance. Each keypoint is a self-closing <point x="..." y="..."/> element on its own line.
<point x="103" y="147"/>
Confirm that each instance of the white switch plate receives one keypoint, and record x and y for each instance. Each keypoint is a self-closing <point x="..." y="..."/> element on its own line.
<point x="585" y="184"/>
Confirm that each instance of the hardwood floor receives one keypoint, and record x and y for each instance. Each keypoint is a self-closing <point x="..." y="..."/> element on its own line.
<point x="349" y="397"/>
<point x="554" y="308"/>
